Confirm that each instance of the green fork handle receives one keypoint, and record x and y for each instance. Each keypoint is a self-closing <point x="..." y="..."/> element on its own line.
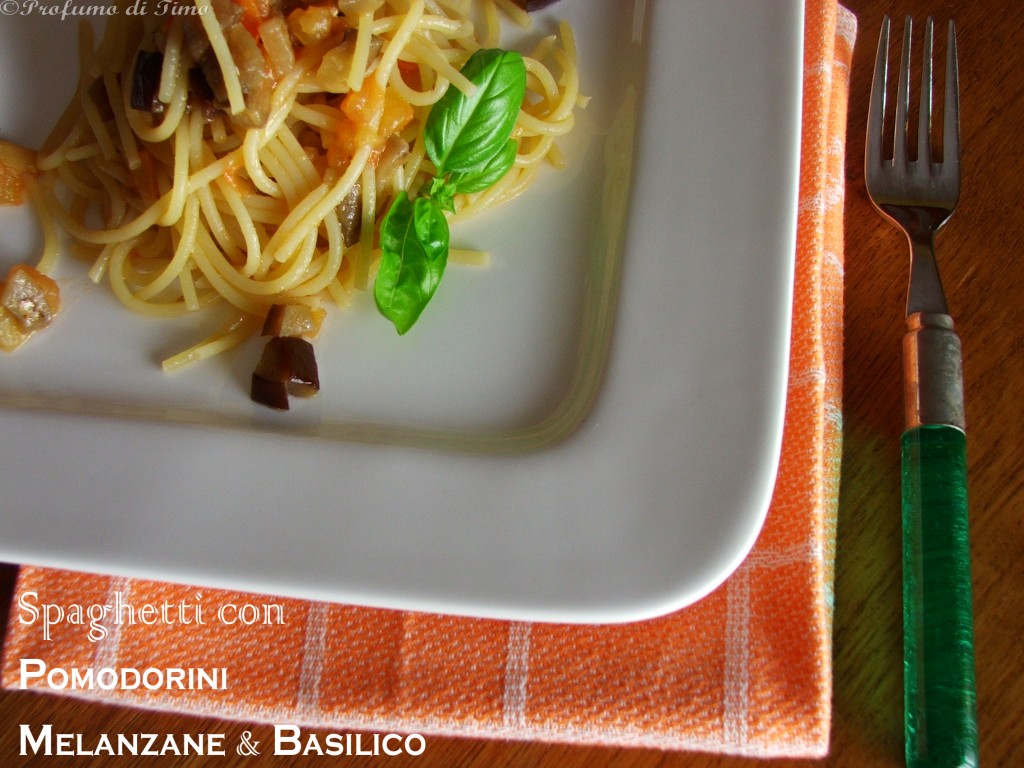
<point x="941" y="721"/>
<point x="939" y="685"/>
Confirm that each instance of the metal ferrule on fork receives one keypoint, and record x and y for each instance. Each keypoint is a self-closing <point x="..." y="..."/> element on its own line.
<point x="932" y="372"/>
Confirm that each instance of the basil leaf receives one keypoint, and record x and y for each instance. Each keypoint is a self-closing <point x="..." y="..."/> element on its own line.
<point x="463" y="133"/>
<point x="443" y="192"/>
<point x="488" y="174"/>
<point x="469" y="141"/>
<point x="414" y="245"/>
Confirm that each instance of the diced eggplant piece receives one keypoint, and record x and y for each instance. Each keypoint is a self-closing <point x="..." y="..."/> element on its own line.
<point x="332" y="74"/>
<point x="287" y="6"/>
<point x="249" y="60"/>
<point x="277" y="42"/>
<point x="350" y="215"/>
<point x="305" y="378"/>
<point x="534" y="5"/>
<point x="286" y="367"/>
<point x="196" y="41"/>
<point x="292" y="320"/>
<point x="210" y="69"/>
<point x="270" y="378"/>
<point x="202" y="97"/>
<point x="228" y="12"/>
<point x="257" y="106"/>
<point x="269" y="392"/>
<point x="146" y="81"/>
<point x="254" y="76"/>
<point x="274" y="320"/>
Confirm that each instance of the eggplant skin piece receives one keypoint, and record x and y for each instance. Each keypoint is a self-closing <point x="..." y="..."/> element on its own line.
<point x="269" y="392"/>
<point x="304" y="380"/>
<point x="146" y="81"/>
<point x="286" y="367"/>
<point x="534" y="5"/>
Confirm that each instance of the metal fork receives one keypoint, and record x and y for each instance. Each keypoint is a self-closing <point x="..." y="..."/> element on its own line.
<point x="919" y="196"/>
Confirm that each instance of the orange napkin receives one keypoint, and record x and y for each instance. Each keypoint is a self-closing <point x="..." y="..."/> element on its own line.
<point x="747" y="670"/>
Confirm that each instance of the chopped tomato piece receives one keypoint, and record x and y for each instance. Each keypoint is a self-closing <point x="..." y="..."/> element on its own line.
<point x="12" y="335"/>
<point x="364" y="105"/>
<point x="350" y="136"/>
<point x="410" y="74"/>
<point x="365" y="108"/>
<point x="314" y="23"/>
<point x="397" y="114"/>
<point x="29" y="300"/>
<point x="253" y="13"/>
<point x="15" y="162"/>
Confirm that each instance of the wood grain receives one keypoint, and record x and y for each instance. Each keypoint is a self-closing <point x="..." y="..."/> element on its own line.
<point x="983" y="268"/>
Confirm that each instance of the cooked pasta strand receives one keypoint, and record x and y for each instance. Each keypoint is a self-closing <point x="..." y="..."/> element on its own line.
<point x="261" y="187"/>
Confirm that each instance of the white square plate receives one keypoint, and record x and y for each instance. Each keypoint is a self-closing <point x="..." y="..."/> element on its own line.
<point x="587" y="430"/>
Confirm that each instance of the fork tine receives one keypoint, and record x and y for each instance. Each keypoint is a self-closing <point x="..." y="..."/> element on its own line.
<point x="924" y="121"/>
<point x="951" y="106"/>
<point x="899" y="154"/>
<point x="876" y="108"/>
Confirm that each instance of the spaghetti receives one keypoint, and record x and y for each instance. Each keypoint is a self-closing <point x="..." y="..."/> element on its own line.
<point x="242" y="153"/>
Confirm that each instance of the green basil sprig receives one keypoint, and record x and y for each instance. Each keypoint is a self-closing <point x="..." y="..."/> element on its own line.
<point x="468" y="139"/>
<point x="414" y="239"/>
<point x="463" y="133"/>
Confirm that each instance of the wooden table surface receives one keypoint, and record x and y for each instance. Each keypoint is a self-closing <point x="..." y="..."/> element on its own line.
<point x="983" y="267"/>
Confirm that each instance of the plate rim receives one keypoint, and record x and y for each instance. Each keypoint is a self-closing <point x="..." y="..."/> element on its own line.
<point x="29" y="546"/>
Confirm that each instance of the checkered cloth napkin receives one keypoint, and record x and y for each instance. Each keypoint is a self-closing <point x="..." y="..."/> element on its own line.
<point x="747" y="670"/>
